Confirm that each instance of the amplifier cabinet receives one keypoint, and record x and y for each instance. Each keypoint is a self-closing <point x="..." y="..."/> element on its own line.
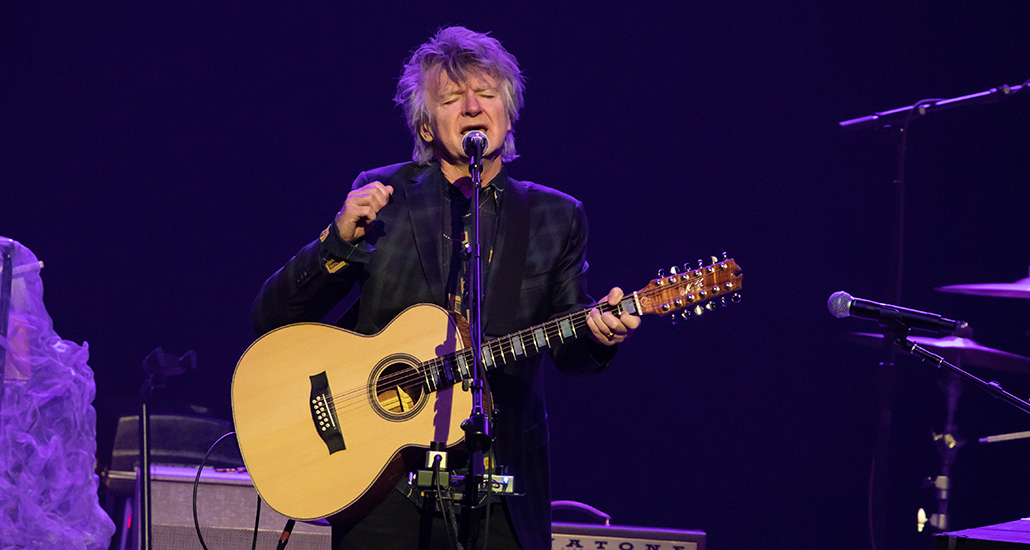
<point x="227" y="503"/>
<point x="569" y="536"/>
<point x="226" y="506"/>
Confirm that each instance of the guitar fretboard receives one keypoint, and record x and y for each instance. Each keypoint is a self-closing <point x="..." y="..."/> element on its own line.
<point x="661" y="296"/>
<point x="447" y="370"/>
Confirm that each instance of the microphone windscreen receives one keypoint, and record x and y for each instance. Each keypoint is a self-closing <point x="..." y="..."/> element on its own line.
<point x="473" y="140"/>
<point x="839" y="304"/>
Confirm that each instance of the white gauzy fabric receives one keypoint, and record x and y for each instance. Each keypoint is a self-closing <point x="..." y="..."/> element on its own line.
<point x="48" y="483"/>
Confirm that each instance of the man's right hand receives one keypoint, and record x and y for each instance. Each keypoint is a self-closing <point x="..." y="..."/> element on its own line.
<point x="360" y="209"/>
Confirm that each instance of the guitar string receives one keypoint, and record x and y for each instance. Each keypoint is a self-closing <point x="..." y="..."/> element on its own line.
<point x="495" y="347"/>
<point x="499" y="347"/>
<point x="418" y="375"/>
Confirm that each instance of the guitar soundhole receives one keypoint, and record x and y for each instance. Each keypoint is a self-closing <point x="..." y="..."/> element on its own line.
<point x="396" y="388"/>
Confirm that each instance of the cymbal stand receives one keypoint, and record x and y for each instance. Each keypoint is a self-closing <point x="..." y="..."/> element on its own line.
<point x="948" y="443"/>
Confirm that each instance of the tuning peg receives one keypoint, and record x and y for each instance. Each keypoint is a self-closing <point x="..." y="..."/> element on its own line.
<point x="700" y="263"/>
<point x="673" y="270"/>
<point x="724" y="257"/>
<point x="710" y="306"/>
<point x="735" y="298"/>
<point x="714" y="260"/>
<point x="661" y="273"/>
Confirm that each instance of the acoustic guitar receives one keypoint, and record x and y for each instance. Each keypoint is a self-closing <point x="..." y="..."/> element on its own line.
<point x="328" y="421"/>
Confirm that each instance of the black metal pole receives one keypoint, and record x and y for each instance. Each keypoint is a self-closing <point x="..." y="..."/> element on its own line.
<point x="6" y="280"/>
<point x="477" y="425"/>
<point x="144" y="520"/>
<point x="886" y="119"/>
<point x="158" y="366"/>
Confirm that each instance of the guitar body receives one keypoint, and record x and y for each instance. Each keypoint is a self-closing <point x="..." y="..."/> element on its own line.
<point x="383" y="413"/>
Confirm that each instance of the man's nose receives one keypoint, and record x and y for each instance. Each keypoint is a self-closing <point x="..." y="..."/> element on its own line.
<point x="472" y="106"/>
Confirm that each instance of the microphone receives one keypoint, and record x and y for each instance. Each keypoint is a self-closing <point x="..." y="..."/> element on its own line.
<point x="475" y="143"/>
<point x="842" y="304"/>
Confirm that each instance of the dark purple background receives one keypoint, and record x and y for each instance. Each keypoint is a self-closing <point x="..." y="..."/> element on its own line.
<point x="163" y="161"/>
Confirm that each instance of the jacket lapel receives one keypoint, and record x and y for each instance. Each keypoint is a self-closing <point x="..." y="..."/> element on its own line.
<point x="425" y="202"/>
<point x="504" y="277"/>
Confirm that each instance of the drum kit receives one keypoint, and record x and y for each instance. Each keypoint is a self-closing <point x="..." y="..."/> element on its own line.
<point x="960" y="350"/>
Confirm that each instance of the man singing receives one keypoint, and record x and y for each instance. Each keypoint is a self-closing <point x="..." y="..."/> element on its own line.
<point x="402" y="236"/>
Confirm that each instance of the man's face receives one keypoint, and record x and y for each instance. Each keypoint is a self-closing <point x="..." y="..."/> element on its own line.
<point x="458" y="107"/>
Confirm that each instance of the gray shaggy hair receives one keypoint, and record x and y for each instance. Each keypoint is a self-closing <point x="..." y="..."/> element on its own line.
<point x="460" y="52"/>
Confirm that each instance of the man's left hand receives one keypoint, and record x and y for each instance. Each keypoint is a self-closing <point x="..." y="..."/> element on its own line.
<point x="607" y="329"/>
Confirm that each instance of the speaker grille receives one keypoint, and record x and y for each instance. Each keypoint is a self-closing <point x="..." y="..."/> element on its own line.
<point x="226" y="505"/>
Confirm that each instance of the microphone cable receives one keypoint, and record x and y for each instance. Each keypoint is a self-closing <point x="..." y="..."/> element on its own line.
<point x="196" y="487"/>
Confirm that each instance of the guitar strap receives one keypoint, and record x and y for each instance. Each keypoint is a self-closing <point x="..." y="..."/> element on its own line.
<point x="512" y="243"/>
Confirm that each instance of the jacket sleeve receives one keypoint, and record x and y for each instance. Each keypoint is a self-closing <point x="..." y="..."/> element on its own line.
<point x="312" y="282"/>
<point x="582" y="356"/>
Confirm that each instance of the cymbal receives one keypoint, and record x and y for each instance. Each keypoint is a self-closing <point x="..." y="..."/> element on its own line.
<point x="959" y="351"/>
<point x="1018" y="289"/>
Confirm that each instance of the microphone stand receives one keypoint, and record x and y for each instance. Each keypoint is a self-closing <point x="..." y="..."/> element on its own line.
<point x="898" y="332"/>
<point x="158" y="366"/>
<point x="899" y="118"/>
<point x="886" y="119"/>
<point x="993" y="388"/>
<point x="477" y="425"/>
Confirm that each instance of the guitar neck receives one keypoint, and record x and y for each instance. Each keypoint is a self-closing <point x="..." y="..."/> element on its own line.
<point x="661" y="296"/>
<point x="452" y="368"/>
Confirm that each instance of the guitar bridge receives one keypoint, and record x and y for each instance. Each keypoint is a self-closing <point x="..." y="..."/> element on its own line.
<point x="323" y="413"/>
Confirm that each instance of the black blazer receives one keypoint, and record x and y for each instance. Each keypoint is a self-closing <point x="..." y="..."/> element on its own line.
<point x="538" y="273"/>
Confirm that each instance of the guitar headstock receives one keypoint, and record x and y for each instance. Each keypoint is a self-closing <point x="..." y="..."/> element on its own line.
<point x="697" y="289"/>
